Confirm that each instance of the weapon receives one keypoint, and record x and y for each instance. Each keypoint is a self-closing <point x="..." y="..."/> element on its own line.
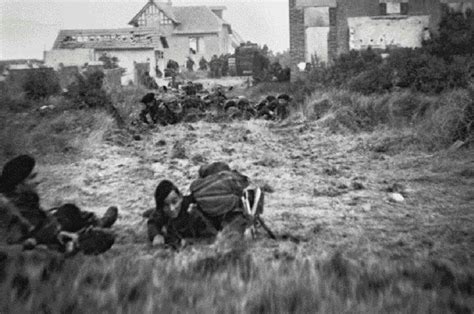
<point x="265" y="227"/>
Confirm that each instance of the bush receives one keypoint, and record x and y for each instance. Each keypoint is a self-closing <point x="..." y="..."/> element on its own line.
<point x="190" y="64"/>
<point x="376" y="80"/>
<point x="455" y="35"/>
<point x="421" y="71"/>
<point x="416" y="69"/>
<point x="445" y="62"/>
<point x="203" y="64"/>
<point x="224" y="62"/>
<point x="41" y="84"/>
<point x="348" y="66"/>
<point x="451" y="119"/>
<point x="108" y="61"/>
<point x="87" y="90"/>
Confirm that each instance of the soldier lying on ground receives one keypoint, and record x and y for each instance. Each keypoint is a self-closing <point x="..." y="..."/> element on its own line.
<point x="148" y="100"/>
<point x="272" y="108"/>
<point x="158" y="111"/>
<point x="65" y="228"/>
<point x="219" y="201"/>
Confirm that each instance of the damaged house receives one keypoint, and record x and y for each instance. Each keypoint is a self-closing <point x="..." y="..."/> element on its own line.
<point x="323" y="29"/>
<point x="159" y="32"/>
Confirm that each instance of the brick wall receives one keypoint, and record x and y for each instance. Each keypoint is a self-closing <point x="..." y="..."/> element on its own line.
<point x="351" y="8"/>
<point x="333" y="34"/>
<point x="297" y="38"/>
<point x="339" y="31"/>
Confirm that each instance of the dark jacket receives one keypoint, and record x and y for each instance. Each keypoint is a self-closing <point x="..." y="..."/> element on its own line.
<point x="46" y="228"/>
<point x="187" y="225"/>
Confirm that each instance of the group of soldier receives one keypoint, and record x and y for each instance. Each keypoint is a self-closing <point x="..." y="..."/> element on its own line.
<point x="65" y="228"/>
<point x="221" y="199"/>
<point x="192" y="103"/>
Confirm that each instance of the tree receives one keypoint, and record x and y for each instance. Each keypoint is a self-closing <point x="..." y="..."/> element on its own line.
<point x="203" y="64"/>
<point x="455" y="35"/>
<point x="109" y="62"/>
<point x="87" y="89"/>
<point x="190" y="64"/>
<point x="172" y="68"/>
<point x="41" y="83"/>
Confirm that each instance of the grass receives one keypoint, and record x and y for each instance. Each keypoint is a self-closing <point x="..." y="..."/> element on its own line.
<point x="380" y="271"/>
<point x="61" y="130"/>
<point x="232" y="282"/>
<point x="435" y="121"/>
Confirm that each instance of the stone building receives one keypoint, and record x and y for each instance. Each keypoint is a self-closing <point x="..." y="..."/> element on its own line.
<point x="323" y="29"/>
<point x="159" y="32"/>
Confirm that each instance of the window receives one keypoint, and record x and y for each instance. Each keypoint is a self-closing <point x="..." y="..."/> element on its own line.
<point x="391" y="7"/>
<point x="193" y="45"/>
<point x="164" y="42"/>
<point x="196" y="45"/>
<point x="159" y="54"/>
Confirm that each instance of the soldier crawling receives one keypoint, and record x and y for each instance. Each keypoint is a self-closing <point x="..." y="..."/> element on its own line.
<point x="66" y="228"/>
<point x="157" y="110"/>
<point x="220" y="201"/>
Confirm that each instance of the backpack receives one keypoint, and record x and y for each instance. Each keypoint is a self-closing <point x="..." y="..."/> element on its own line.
<point x="219" y="193"/>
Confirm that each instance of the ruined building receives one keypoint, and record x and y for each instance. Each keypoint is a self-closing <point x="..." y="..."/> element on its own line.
<point x="322" y="29"/>
<point x="159" y="32"/>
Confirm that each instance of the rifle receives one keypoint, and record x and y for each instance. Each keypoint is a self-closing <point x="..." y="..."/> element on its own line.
<point x="252" y="211"/>
<point x="265" y="227"/>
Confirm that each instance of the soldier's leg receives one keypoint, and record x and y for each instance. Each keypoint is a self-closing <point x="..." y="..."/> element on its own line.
<point x="73" y="219"/>
<point x="93" y="241"/>
<point x="143" y="116"/>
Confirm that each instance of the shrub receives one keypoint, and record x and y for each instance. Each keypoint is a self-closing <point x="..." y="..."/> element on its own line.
<point x="348" y="66"/>
<point x="450" y="120"/>
<point x="87" y="90"/>
<point x="203" y="64"/>
<point x="421" y="71"/>
<point x="15" y="102"/>
<point x="455" y="35"/>
<point x="172" y="68"/>
<point x="376" y="80"/>
<point x="41" y="84"/>
<point x="224" y="63"/>
<point x="108" y="61"/>
<point x="190" y="64"/>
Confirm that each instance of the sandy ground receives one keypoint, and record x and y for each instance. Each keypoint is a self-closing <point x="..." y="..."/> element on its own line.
<point x="330" y="192"/>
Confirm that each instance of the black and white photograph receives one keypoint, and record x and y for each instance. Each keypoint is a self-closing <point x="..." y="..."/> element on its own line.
<point x="245" y="156"/>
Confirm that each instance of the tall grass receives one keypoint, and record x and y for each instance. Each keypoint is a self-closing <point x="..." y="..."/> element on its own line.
<point x="436" y="121"/>
<point x="232" y="282"/>
<point x="61" y="129"/>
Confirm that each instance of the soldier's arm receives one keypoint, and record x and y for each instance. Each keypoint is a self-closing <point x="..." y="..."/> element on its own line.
<point x="204" y="227"/>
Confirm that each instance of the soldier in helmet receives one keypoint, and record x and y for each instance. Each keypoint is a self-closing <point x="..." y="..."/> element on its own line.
<point x="65" y="228"/>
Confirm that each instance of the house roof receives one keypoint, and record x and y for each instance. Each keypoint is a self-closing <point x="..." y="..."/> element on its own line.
<point x="188" y="19"/>
<point x="166" y="8"/>
<point x="197" y="19"/>
<point x="121" y="38"/>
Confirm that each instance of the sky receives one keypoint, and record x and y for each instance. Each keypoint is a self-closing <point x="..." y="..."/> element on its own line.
<point x="28" y="27"/>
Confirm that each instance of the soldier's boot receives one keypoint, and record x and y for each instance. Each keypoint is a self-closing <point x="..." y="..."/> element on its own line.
<point x="109" y="218"/>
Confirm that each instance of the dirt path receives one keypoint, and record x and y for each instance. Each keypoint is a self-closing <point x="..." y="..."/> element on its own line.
<point x="329" y="191"/>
